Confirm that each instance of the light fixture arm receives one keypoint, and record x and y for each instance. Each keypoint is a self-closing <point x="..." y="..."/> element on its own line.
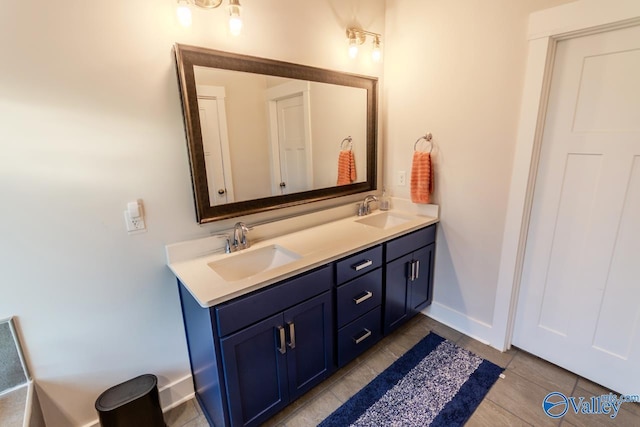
<point x="361" y="35"/>
<point x="358" y="36"/>
<point x="206" y="4"/>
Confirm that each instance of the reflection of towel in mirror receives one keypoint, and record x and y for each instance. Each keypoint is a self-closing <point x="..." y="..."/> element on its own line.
<point x="421" y="178"/>
<point x="346" y="167"/>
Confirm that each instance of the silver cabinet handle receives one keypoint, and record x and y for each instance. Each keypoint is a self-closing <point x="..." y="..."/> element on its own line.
<point x="412" y="273"/>
<point x="363" y="298"/>
<point x="367" y="334"/>
<point x="417" y="262"/>
<point x="292" y="335"/>
<point x="282" y="347"/>
<point x="360" y="266"/>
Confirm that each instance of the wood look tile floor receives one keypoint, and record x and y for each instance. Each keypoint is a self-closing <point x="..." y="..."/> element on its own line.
<point x="515" y="400"/>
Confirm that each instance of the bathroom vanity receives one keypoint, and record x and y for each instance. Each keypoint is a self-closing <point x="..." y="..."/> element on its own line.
<point x="309" y="302"/>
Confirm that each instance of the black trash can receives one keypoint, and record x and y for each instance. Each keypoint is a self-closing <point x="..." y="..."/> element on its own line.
<point x="133" y="403"/>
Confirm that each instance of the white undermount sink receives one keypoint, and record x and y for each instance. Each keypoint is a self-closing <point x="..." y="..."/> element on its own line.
<point x="384" y="220"/>
<point x="243" y="264"/>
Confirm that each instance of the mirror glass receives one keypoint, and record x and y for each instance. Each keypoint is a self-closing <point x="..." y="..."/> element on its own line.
<point x="266" y="134"/>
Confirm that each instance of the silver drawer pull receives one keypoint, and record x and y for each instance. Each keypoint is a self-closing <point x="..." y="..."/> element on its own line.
<point x="363" y="298"/>
<point x="282" y="346"/>
<point x="417" y="269"/>
<point x="360" y="266"/>
<point x="367" y="334"/>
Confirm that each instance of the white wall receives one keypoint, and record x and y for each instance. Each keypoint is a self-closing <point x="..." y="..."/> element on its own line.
<point x="456" y="69"/>
<point x="91" y="119"/>
<point x="336" y="109"/>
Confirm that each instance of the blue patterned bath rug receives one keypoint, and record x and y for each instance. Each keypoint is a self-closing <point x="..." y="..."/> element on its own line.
<point x="436" y="383"/>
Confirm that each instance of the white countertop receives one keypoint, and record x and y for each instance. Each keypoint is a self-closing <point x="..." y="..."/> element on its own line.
<point x="316" y="246"/>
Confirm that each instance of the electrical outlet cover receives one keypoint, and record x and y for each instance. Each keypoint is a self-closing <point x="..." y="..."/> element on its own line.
<point x="134" y="225"/>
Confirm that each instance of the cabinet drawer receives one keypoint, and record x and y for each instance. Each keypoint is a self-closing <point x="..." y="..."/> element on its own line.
<point x="358" y="336"/>
<point x="244" y="311"/>
<point x="359" y="296"/>
<point x="409" y="243"/>
<point x="358" y="264"/>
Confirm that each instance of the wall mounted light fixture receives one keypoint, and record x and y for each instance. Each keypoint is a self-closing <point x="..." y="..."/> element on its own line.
<point x="357" y="37"/>
<point x="184" y="12"/>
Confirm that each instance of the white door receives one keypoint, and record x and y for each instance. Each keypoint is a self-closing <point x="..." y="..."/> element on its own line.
<point x="579" y="301"/>
<point x="292" y="145"/>
<point x="213" y="124"/>
<point x="289" y="109"/>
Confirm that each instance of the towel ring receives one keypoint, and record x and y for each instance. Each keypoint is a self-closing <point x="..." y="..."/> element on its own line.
<point x="427" y="137"/>
<point x="348" y="139"/>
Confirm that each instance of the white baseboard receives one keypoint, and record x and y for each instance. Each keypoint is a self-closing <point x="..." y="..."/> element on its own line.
<point x="171" y="396"/>
<point x="469" y="326"/>
<point x="176" y="393"/>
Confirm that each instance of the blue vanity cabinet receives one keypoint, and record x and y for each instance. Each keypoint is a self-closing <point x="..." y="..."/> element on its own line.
<point x="408" y="276"/>
<point x="276" y="360"/>
<point x="253" y="355"/>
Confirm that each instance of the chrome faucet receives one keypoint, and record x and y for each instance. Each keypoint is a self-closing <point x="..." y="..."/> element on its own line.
<point x="240" y="240"/>
<point x="364" y="208"/>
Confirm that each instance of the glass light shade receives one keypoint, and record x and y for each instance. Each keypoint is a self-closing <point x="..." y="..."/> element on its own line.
<point x="376" y="53"/>
<point x="235" y="21"/>
<point x="235" y="25"/>
<point x="184" y="13"/>
<point x="353" y="48"/>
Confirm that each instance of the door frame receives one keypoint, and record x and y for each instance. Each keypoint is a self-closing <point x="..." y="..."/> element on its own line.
<point x="218" y="94"/>
<point x="272" y="96"/>
<point x="546" y="29"/>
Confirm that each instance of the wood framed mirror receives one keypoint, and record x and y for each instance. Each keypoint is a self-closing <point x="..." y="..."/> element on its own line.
<point x="265" y="134"/>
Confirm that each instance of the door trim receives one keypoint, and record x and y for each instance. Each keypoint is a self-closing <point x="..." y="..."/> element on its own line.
<point x="218" y="94"/>
<point x="546" y="29"/>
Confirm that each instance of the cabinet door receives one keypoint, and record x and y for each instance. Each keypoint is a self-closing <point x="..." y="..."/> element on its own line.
<point x="255" y="371"/>
<point x="420" y="289"/>
<point x="396" y="309"/>
<point x="309" y="343"/>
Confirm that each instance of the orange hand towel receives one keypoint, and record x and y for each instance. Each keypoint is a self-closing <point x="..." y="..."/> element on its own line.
<point x="346" y="167"/>
<point x="421" y="178"/>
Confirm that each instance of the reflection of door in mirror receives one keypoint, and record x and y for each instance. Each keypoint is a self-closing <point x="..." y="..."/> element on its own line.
<point x="292" y="145"/>
<point x="215" y="140"/>
<point x="290" y="137"/>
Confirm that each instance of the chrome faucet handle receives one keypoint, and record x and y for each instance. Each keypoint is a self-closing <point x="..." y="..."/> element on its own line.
<point x="227" y="244"/>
